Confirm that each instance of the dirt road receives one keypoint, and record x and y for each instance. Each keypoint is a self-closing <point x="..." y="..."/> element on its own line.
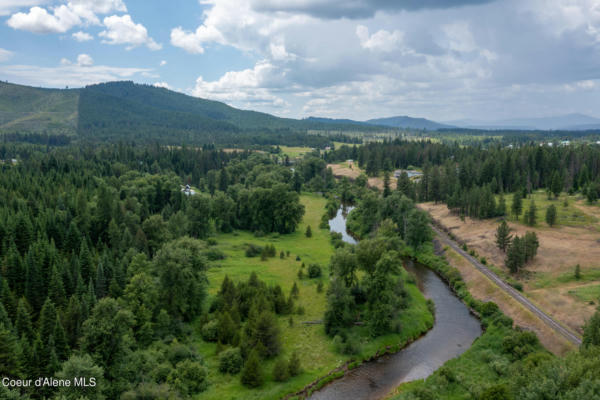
<point x="509" y="289"/>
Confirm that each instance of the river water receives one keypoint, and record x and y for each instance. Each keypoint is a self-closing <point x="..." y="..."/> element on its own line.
<point x="454" y="331"/>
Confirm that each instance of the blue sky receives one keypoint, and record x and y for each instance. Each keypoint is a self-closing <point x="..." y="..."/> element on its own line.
<point x="439" y="59"/>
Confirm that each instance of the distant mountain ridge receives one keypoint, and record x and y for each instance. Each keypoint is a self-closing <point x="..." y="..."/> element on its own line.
<point x="404" y="121"/>
<point x="561" y="122"/>
<point x="126" y="110"/>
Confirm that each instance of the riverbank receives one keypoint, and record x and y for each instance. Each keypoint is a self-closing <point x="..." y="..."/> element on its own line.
<point x="317" y="352"/>
<point x="484" y="366"/>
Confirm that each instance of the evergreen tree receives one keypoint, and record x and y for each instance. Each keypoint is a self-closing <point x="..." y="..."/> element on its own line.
<point x="294" y="367"/>
<point x="10" y="362"/>
<point x="517" y="205"/>
<point x="47" y="321"/>
<point x="515" y="255"/>
<point x="556" y="185"/>
<point x="280" y="370"/>
<point x="23" y="324"/>
<point x="501" y="212"/>
<point x="551" y="215"/>
<point x="531" y="214"/>
<point x="591" y="331"/>
<point x="503" y="236"/>
<point x="56" y="290"/>
<point x="308" y="232"/>
<point x="386" y="184"/>
<point x="252" y="374"/>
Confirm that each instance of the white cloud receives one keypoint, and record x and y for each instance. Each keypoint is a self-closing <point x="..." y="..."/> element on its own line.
<point x="67" y="74"/>
<point x="163" y="63"/>
<point x="7" y="7"/>
<point x="84" y="60"/>
<point x="162" y="85"/>
<point x="82" y="36"/>
<point x="63" y="17"/>
<point x="122" y="30"/>
<point x="243" y="88"/>
<point x="5" y="55"/>
<point x="38" y="20"/>
<point x="381" y="40"/>
<point x="192" y="41"/>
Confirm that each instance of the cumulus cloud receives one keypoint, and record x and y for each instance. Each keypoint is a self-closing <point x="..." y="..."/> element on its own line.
<point x="84" y="60"/>
<point x="82" y="36"/>
<point x="38" y="20"/>
<point x="162" y="85"/>
<point x="163" y="63"/>
<point x="7" y="7"/>
<point x="381" y="40"/>
<point x="68" y="73"/>
<point x="5" y="55"/>
<point x="244" y="88"/>
<point x="63" y="17"/>
<point x="122" y="30"/>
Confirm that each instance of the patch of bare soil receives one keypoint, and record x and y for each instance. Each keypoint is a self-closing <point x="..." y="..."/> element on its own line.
<point x="354" y="172"/>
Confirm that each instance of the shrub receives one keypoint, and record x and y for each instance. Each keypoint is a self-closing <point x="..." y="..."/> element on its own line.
<point x="214" y="254"/>
<point x="211" y="241"/>
<point x="294" y="367"/>
<point x="314" y="271"/>
<point x="210" y="331"/>
<point x="253" y="250"/>
<point x="230" y="361"/>
<point x="280" y="371"/>
<point x="519" y="344"/>
<point x="252" y="374"/>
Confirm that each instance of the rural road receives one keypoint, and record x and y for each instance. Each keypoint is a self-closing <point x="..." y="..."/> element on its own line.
<point x="509" y="289"/>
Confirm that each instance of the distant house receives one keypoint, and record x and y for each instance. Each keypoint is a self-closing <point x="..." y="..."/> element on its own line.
<point x="412" y="173"/>
<point x="565" y="143"/>
<point x="187" y="190"/>
<point x="327" y="148"/>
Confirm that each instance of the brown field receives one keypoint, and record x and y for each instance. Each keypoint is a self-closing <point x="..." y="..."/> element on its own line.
<point x="548" y="279"/>
<point x="485" y="290"/>
<point x="353" y="173"/>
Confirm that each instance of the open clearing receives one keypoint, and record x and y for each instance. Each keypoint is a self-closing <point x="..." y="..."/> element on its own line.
<point x="315" y="348"/>
<point x="549" y="280"/>
<point x="352" y="172"/>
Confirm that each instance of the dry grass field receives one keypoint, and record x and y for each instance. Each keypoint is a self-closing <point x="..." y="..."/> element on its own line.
<point x="343" y="170"/>
<point x="549" y="280"/>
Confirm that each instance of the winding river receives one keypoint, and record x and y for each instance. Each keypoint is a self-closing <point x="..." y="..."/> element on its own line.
<point x="454" y="331"/>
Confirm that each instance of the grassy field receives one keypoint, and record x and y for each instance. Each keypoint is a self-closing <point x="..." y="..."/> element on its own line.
<point x="317" y="355"/>
<point x="294" y="152"/>
<point x="570" y="214"/>
<point x="549" y="280"/>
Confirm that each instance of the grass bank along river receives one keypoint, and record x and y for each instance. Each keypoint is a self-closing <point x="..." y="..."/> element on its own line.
<point x="454" y="331"/>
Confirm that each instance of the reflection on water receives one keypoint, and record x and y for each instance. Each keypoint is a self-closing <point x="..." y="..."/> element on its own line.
<point x="454" y="331"/>
<point x="338" y="224"/>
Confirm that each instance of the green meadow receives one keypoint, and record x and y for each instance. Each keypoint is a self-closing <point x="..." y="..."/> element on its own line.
<point x="316" y="350"/>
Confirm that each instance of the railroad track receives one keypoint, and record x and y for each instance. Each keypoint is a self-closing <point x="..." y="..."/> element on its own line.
<point x="548" y="320"/>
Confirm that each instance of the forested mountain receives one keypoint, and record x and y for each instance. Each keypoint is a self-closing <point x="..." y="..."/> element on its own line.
<point x="36" y="110"/>
<point x="125" y="110"/>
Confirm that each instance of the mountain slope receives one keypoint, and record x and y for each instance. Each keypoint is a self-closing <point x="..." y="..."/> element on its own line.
<point x="36" y="110"/>
<point x="404" y="121"/>
<point x="560" y="122"/>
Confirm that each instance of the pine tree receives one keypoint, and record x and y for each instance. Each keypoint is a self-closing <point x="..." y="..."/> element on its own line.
<point x="556" y="185"/>
<point x="252" y="374"/>
<point x="551" y="215"/>
<point x="386" y="184"/>
<point x="294" y="366"/>
<point x="531" y="214"/>
<point x="503" y="236"/>
<point x="308" y="232"/>
<point x="23" y="324"/>
<point x="280" y="371"/>
<point x="56" y="290"/>
<point x="578" y="272"/>
<point x="514" y="255"/>
<point x="60" y="341"/>
<point x="501" y="206"/>
<point x="295" y="291"/>
<point x="47" y="321"/>
<point x="101" y="285"/>
<point x="517" y="205"/>
<point x="591" y="331"/>
<point x="10" y="363"/>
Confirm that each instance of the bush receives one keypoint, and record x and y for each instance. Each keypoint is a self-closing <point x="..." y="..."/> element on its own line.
<point x="188" y="377"/>
<point x="280" y="371"/>
<point x="314" y="271"/>
<point x="210" y="331"/>
<point x="483" y="260"/>
<point x="294" y="367"/>
<point x="253" y="250"/>
<point x="230" y="361"/>
<point x="214" y="254"/>
<point x="211" y="241"/>
<point x="519" y="344"/>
